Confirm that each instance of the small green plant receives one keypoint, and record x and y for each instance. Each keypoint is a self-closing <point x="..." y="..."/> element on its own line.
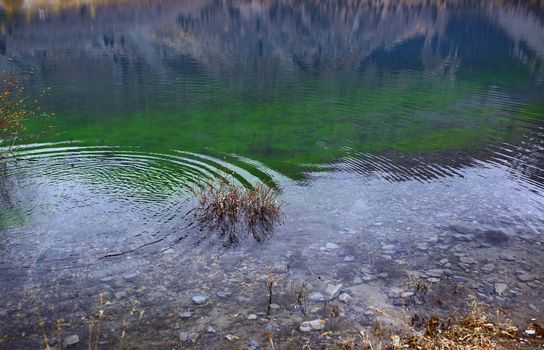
<point x="235" y="211"/>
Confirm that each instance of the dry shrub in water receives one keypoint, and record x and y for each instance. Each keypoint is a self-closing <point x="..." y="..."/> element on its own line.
<point x="235" y="211"/>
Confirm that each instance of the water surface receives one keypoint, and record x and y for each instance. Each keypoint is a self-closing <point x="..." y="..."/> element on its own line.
<point x="386" y="126"/>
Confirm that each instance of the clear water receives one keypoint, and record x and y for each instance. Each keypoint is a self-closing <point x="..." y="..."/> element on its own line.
<point x="382" y="123"/>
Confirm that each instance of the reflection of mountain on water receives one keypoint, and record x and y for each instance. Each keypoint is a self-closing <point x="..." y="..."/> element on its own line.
<point x="301" y="35"/>
<point x="409" y="76"/>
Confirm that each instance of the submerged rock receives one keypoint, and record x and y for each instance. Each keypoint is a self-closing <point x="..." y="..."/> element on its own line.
<point x="121" y="294"/>
<point x="435" y="273"/>
<point x="332" y="290"/>
<point x="186" y="336"/>
<point x="344" y="297"/>
<point x="500" y="288"/>
<point x="331" y="246"/>
<point x="464" y="229"/>
<point x="467" y="260"/>
<point x="508" y="256"/>
<point x="443" y="261"/>
<point x="487" y="268"/>
<point x="526" y="277"/>
<point x="280" y="268"/>
<point x="534" y="308"/>
<point x="315" y="325"/>
<point x="399" y="293"/>
<point x="130" y="275"/>
<point x="223" y="294"/>
<point x="493" y="237"/>
<point x="199" y="299"/>
<point x="254" y="344"/>
<point x="185" y="314"/>
<point x="71" y="340"/>
<point x="316" y="297"/>
<point x="275" y="306"/>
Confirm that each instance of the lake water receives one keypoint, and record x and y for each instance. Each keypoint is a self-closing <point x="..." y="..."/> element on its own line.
<point x="406" y="140"/>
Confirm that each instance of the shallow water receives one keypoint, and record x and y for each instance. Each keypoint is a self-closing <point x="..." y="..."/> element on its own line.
<point x="406" y="140"/>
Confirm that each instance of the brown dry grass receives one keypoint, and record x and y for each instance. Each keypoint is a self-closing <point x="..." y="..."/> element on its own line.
<point x="235" y="212"/>
<point x="473" y="331"/>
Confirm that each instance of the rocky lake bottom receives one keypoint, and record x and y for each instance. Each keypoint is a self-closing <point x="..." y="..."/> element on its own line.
<point x="335" y="271"/>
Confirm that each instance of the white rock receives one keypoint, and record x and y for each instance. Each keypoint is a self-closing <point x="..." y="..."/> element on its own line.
<point x="315" y="325"/>
<point x="395" y="292"/>
<point x="200" y="299"/>
<point x="331" y="246"/>
<point x="71" y="340"/>
<point x="500" y="288"/>
<point x="231" y="337"/>
<point x="357" y="280"/>
<point x="316" y="297"/>
<point x="344" y="297"/>
<point x="467" y="260"/>
<point x="223" y="294"/>
<point x="185" y="314"/>
<point x="443" y="261"/>
<point x="508" y="256"/>
<point x="525" y="277"/>
<point x="332" y="290"/>
<point x="435" y="273"/>
<point x="488" y="267"/>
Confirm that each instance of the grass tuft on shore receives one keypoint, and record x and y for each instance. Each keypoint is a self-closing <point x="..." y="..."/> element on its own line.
<point x="474" y="331"/>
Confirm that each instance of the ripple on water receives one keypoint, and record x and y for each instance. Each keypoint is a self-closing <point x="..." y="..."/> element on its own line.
<point x="79" y="192"/>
